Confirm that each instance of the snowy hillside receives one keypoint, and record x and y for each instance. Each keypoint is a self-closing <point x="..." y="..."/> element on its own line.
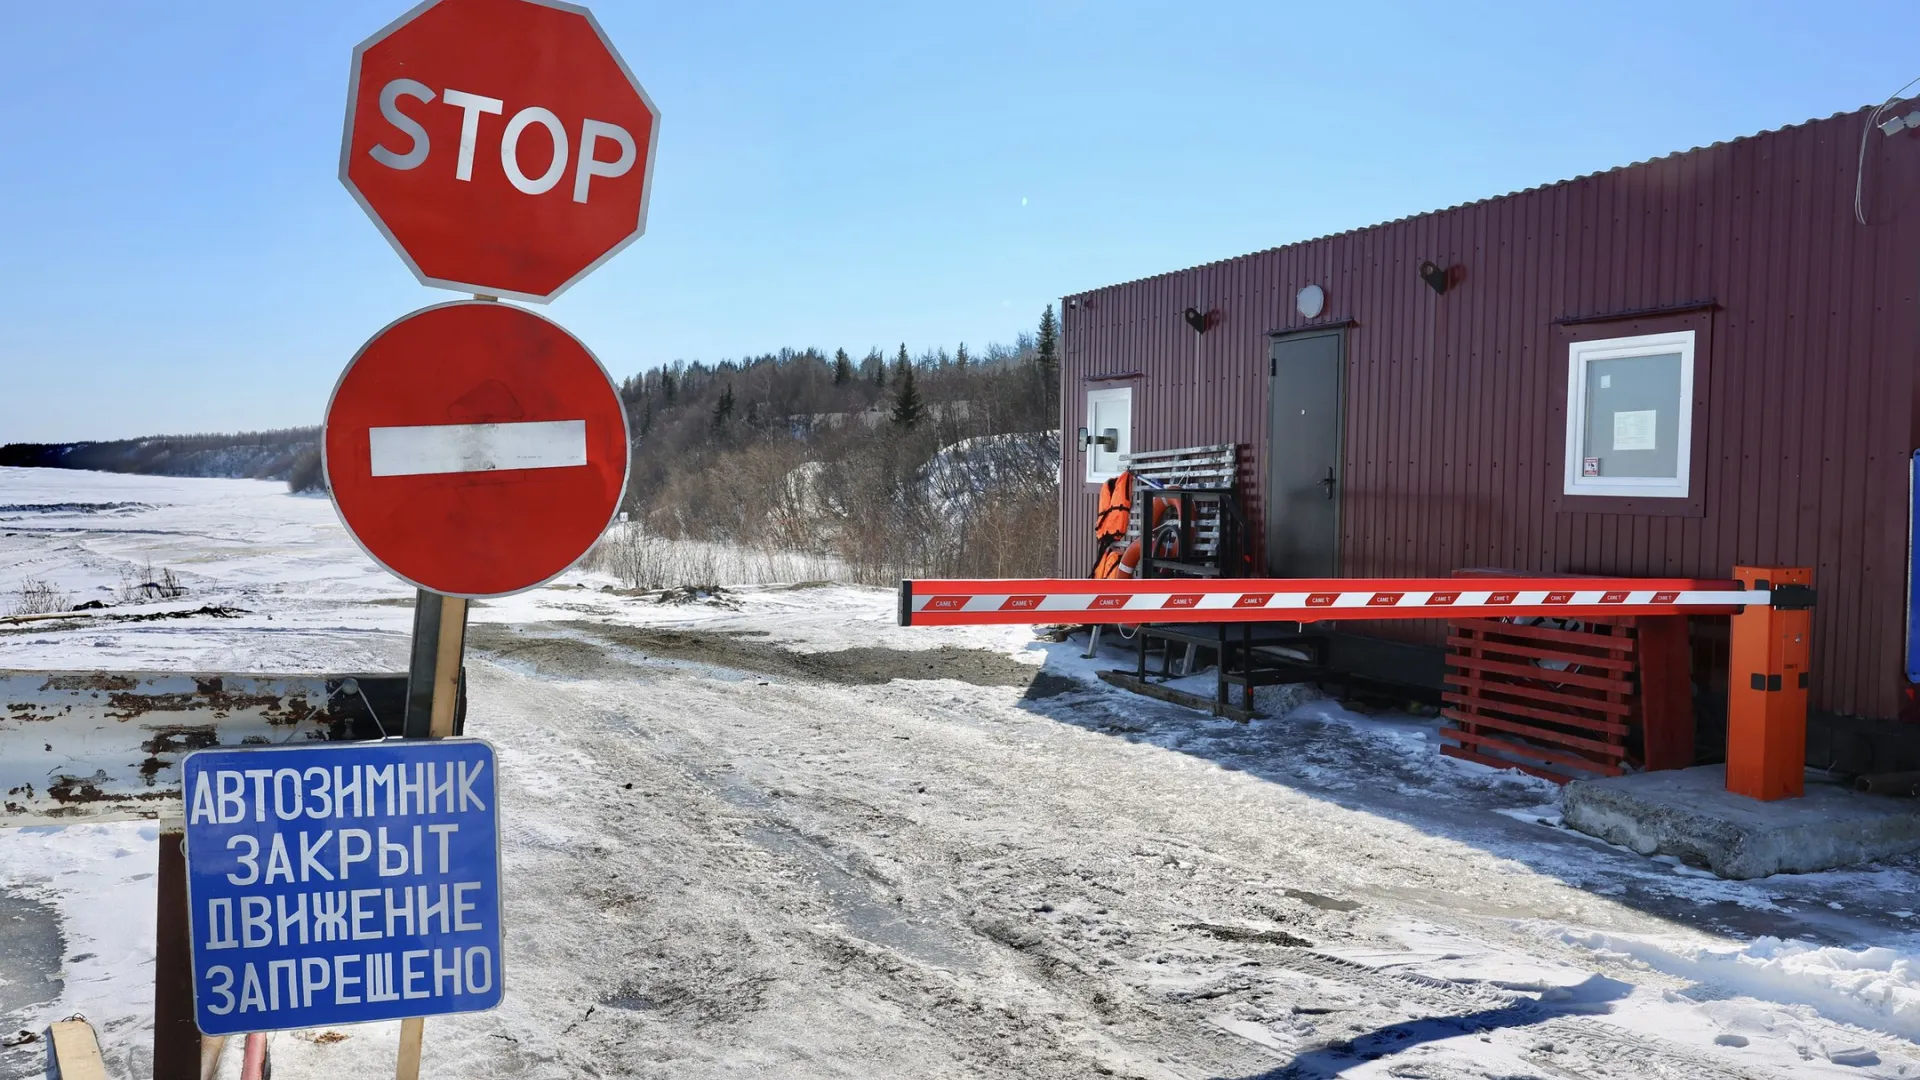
<point x="766" y="832"/>
<point x="1020" y="463"/>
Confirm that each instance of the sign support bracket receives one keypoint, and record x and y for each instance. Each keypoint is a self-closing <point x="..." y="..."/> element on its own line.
<point x="177" y="1042"/>
<point x="436" y="684"/>
<point x="439" y="624"/>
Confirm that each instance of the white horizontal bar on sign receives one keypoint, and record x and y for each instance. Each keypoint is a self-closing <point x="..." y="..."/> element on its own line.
<point x="463" y="448"/>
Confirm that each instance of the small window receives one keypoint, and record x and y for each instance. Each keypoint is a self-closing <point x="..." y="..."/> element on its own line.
<point x="1109" y="431"/>
<point x="1630" y="416"/>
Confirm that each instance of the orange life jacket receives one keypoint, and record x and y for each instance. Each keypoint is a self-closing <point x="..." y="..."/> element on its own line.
<point x="1116" y="508"/>
<point x="1117" y="557"/>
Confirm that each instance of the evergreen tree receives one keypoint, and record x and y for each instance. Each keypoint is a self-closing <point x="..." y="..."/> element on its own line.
<point x="907" y="407"/>
<point x="960" y="357"/>
<point x="879" y="369"/>
<point x="842" y="367"/>
<point x="666" y="386"/>
<point x="1047" y="360"/>
<point x="1047" y="348"/>
<point x="902" y="364"/>
<point x="723" y="409"/>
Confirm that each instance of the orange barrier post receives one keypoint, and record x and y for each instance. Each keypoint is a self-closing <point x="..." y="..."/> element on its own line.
<point x="1767" y="685"/>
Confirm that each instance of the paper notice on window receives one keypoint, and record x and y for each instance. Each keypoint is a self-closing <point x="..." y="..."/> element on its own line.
<point x="1634" y="430"/>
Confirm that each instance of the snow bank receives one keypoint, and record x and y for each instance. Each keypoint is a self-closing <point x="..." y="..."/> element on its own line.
<point x="1877" y="988"/>
<point x="94" y="876"/>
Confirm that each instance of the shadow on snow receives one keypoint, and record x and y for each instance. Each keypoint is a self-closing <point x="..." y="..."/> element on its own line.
<point x="1390" y="766"/>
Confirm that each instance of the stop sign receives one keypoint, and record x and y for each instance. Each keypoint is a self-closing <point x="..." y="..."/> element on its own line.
<point x="475" y="449"/>
<point x="502" y="146"/>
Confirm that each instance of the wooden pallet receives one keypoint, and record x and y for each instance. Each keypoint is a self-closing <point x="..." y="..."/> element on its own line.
<point x="1507" y="709"/>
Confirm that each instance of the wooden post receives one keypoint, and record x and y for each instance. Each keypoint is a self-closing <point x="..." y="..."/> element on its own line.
<point x="435" y="676"/>
<point x="446" y="665"/>
<point x="176" y="1037"/>
<point x="1666" y="691"/>
<point x="74" y="1052"/>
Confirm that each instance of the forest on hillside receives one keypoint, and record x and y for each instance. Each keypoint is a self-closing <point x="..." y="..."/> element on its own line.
<point x="891" y="463"/>
<point x="247" y="455"/>
<point x="887" y="465"/>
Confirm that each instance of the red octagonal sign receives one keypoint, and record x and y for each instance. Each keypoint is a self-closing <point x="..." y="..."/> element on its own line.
<point x="502" y="146"/>
<point x="475" y="449"/>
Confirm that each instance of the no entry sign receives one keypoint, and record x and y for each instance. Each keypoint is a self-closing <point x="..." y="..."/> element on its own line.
<point x="502" y="146"/>
<point x="475" y="449"/>
<point x="338" y="884"/>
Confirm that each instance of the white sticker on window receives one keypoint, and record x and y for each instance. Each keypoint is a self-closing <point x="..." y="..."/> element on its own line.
<point x="1634" y="430"/>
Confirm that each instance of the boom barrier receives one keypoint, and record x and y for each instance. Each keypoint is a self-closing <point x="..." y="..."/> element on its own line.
<point x="1771" y="648"/>
<point x="932" y="602"/>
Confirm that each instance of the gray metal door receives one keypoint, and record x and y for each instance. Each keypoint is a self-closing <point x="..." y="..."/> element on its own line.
<point x="1304" y="460"/>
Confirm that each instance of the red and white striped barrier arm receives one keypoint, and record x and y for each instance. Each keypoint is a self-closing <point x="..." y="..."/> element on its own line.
<point x="1186" y="600"/>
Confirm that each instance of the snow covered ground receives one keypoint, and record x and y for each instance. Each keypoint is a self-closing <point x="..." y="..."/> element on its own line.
<point x="768" y="833"/>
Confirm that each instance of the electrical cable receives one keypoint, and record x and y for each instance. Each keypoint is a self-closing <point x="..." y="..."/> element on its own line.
<point x="1860" y="172"/>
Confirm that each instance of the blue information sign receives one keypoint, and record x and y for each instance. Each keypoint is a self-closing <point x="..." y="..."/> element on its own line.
<point x="1913" y="569"/>
<point x="341" y="883"/>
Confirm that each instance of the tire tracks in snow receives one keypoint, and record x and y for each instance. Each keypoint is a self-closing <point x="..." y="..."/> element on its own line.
<point x="984" y="892"/>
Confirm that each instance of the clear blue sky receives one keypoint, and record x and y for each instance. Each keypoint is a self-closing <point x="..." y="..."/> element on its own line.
<point x="176" y="254"/>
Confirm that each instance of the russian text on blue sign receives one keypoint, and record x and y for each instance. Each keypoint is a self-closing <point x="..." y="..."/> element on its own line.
<point x="342" y="883"/>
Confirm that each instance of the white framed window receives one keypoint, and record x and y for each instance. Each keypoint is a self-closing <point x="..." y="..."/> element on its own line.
<point x="1630" y="416"/>
<point x="1109" y="433"/>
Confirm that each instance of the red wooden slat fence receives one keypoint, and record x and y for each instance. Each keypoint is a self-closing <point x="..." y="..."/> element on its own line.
<point x="1561" y="701"/>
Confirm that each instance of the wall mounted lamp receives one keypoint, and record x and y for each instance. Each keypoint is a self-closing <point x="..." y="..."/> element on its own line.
<point x="1909" y="122"/>
<point x="1437" y="277"/>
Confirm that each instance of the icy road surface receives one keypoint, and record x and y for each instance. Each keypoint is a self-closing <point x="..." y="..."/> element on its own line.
<point x="770" y="834"/>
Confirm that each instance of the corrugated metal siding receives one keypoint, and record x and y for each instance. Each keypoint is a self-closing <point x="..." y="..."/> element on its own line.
<point x="1453" y="427"/>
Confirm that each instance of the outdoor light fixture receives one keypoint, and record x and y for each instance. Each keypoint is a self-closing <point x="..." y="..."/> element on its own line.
<point x="1196" y="319"/>
<point x="1434" y="276"/>
<point x="1909" y="122"/>
<point x="1311" y="301"/>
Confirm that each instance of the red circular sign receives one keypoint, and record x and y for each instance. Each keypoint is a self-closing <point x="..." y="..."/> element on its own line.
<point x="501" y="145"/>
<point x="475" y="449"/>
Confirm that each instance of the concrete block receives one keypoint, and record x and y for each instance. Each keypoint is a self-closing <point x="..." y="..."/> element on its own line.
<point x="1689" y="814"/>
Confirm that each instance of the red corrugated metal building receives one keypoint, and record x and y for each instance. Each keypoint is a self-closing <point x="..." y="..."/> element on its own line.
<point x="1739" y="353"/>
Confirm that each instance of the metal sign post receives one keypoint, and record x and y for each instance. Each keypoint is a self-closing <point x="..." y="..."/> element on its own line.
<point x="439" y="668"/>
<point x="439" y="640"/>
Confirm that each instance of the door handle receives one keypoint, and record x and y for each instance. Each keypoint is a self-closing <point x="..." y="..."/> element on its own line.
<point x="1328" y="481"/>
